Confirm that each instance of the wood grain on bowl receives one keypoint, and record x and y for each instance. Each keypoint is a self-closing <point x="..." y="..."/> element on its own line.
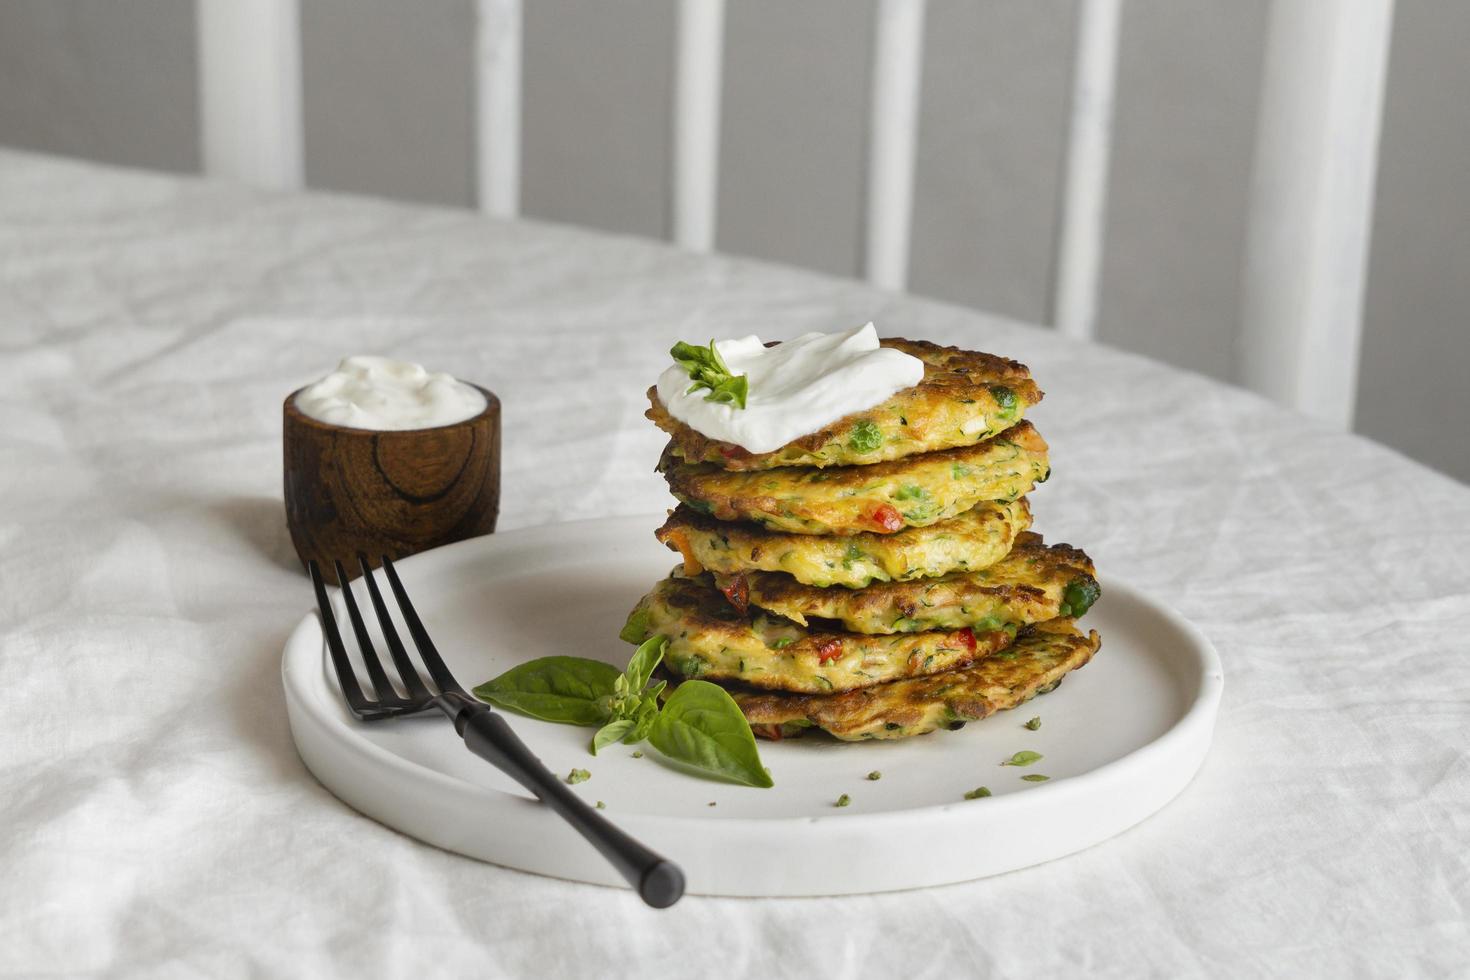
<point x="388" y="492"/>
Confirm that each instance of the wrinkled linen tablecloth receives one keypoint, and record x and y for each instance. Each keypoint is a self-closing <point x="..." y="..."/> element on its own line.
<point x="157" y="820"/>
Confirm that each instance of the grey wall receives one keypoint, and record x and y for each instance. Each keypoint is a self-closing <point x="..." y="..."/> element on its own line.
<point x="389" y="100"/>
<point x="99" y="79"/>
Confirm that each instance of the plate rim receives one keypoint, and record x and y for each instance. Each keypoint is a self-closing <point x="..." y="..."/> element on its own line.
<point x="1200" y="713"/>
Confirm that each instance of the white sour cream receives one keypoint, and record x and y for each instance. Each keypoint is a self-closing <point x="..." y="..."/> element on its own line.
<point x="387" y="395"/>
<point x="795" y="388"/>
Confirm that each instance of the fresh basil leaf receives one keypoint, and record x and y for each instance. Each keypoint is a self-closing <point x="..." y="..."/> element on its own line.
<point x="708" y="370"/>
<point x="1023" y="758"/>
<point x="613" y="731"/>
<point x="569" y="690"/>
<point x="643" y="661"/>
<point x="696" y="359"/>
<point x="643" y="720"/>
<point x="702" y="726"/>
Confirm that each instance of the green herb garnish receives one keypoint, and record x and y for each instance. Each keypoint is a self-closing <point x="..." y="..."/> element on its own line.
<point x="875" y="775"/>
<point x="700" y="725"/>
<point x="843" y="800"/>
<point x="569" y="690"/>
<point x="1036" y="777"/>
<point x="1023" y="758"/>
<point x="977" y="793"/>
<point x="711" y="373"/>
<point x="578" y="776"/>
<point x="638" y="754"/>
<point x="1033" y="724"/>
<point x="601" y="805"/>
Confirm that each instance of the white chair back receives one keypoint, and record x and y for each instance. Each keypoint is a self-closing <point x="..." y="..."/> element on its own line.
<point x="1311" y="202"/>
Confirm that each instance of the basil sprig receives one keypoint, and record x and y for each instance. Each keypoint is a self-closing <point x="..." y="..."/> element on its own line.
<point x="710" y="372"/>
<point x="700" y="725"/>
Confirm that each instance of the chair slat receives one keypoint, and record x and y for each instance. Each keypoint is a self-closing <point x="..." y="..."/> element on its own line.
<point x="1312" y="203"/>
<point x="1085" y="179"/>
<point x="893" y="135"/>
<point x="250" y="90"/>
<point x="698" y="60"/>
<point x="499" y="43"/>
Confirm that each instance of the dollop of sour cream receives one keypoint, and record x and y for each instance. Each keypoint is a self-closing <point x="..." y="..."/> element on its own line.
<point x="387" y="395"/>
<point x="795" y="388"/>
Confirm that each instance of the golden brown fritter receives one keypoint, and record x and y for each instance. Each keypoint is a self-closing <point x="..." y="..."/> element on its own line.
<point x="975" y="539"/>
<point x="965" y="397"/>
<point x="1034" y="665"/>
<point x="1032" y="584"/>
<point x="712" y="639"/>
<point x="916" y="491"/>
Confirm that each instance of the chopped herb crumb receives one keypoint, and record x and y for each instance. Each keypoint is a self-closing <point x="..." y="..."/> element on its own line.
<point x="1023" y="758"/>
<point x="638" y="754"/>
<point x="601" y="805"/>
<point x="977" y="793"/>
<point x="578" y="776"/>
<point x="875" y="775"/>
<point x="1035" y="777"/>
<point x="1034" y="723"/>
<point x="711" y="802"/>
<point x="843" y="800"/>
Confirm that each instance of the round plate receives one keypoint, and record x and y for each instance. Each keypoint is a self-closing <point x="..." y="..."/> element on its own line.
<point x="1120" y="738"/>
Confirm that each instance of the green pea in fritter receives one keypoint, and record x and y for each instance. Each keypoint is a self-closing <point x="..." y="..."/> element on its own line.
<point x="917" y="491"/>
<point x="1034" y="665"/>
<point x="964" y="398"/>
<point x="979" y="537"/>
<point x="1034" y="583"/>
<point x="710" y="638"/>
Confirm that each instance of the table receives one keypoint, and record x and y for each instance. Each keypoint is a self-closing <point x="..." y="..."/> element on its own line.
<point x="157" y="817"/>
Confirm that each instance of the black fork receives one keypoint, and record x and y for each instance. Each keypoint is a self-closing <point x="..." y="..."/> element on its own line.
<point x="659" y="881"/>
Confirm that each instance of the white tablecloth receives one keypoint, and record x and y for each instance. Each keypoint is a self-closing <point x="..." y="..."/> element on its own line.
<point x="156" y="818"/>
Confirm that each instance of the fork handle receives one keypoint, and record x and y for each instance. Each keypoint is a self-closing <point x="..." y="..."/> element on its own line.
<point x="659" y="881"/>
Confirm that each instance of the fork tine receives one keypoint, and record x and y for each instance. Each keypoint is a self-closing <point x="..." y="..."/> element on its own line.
<point x="442" y="677"/>
<point x="387" y="696"/>
<point x="346" y="676"/>
<point x="409" y="673"/>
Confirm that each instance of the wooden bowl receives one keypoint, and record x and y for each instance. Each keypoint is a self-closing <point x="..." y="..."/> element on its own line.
<point x="388" y="492"/>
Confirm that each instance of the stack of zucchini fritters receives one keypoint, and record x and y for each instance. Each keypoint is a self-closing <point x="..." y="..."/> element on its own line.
<point x="875" y="579"/>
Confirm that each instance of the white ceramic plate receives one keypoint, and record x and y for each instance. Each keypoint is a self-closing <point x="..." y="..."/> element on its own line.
<point x="1121" y="738"/>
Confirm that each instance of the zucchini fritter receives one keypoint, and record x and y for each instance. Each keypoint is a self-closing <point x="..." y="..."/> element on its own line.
<point x="1034" y="665"/>
<point x="965" y="397"/>
<point x="1032" y="584"/>
<point x="712" y="639"/>
<point x="917" y="491"/>
<point x="975" y="539"/>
